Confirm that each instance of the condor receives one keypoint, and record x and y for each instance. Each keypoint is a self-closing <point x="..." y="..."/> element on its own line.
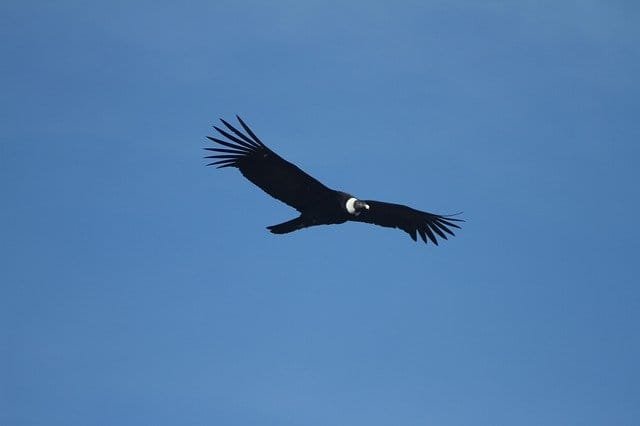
<point x="317" y="204"/>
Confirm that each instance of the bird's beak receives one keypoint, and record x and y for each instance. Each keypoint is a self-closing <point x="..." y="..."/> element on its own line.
<point x="361" y="205"/>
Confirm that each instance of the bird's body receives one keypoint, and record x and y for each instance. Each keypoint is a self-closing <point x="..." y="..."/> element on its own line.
<point x="317" y="204"/>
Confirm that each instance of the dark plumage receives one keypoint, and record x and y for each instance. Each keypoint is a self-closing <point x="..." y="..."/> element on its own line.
<point x="317" y="204"/>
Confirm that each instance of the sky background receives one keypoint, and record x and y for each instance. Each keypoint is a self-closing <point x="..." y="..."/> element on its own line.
<point x="140" y="287"/>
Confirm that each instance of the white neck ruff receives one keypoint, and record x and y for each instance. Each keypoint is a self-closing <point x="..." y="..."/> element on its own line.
<point x="350" y="206"/>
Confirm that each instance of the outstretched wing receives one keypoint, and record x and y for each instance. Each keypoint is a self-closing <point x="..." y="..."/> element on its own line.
<point x="411" y="221"/>
<point x="266" y="169"/>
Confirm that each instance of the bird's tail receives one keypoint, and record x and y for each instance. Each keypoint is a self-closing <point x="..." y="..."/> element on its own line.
<point x="289" y="226"/>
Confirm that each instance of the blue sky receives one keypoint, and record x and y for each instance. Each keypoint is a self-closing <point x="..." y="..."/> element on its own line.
<point x="140" y="287"/>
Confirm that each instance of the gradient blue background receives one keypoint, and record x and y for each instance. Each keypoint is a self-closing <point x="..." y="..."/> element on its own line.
<point x="140" y="287"/>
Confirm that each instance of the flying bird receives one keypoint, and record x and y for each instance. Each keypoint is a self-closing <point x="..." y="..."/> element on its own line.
<point x="317" y="204"/>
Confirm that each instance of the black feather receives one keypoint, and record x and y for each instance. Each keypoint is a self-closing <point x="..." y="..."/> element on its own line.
<point x="236" y="140"/>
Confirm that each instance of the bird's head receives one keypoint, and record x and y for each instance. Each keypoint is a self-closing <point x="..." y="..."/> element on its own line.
<point x="355" y="206"/>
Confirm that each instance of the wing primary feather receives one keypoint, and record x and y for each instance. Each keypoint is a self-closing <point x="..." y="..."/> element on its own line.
<point x="228" y="163"/>
<point x="230" y="145"/>
<point x="443" y="227"/>
<point x="231" y="161"/>
<point x="235" y="157"/>
<point x="235" y="139"/>
<point x="422" y="235"/>
<point x="430" y="235"/>
<point x="454" y="214"/>
<point x="250" y="132"/>
<point x="230" y="151"/>
<point x="447" y="222"/>
<point x="412" y="233"/>
<point x="437" y="230"/>
<point x="237" y="132"/>
<point x="450" y="217"/>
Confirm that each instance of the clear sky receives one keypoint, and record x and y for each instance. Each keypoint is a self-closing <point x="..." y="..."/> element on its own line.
<point x="139" y="287"/>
